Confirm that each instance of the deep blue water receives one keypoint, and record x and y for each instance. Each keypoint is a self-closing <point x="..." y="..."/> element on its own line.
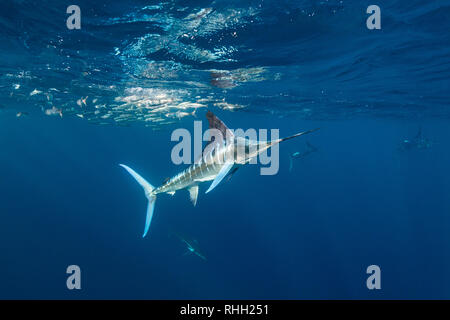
<point x="76" y="103"/>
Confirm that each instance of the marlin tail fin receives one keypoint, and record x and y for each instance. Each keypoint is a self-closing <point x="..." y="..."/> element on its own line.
<point x="148" y="188"/>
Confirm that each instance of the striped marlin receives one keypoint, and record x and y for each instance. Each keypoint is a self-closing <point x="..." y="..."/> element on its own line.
<point x="221" y="157"/>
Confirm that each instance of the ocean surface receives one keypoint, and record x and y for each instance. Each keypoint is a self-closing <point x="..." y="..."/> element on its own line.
<point x="75" y="103"/>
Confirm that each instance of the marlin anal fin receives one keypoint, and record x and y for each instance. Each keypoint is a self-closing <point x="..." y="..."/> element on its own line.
<point x="193" y="193"/>
<point x="222" y="173"/>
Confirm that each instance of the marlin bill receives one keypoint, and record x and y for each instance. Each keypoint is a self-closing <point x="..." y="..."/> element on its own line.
<point x="221" y="157"/>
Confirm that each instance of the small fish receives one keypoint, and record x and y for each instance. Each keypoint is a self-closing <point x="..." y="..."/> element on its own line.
<point x="53" y="112"/>
<point x="21" y="114"/>
<point x="228" y="106"/>
<point x="418" y="142"/>
<point x="296" y="155"/>
<point x="180" y="114"/>
<point x="191" y="246"/>
<point x="82" y="101"/>
<point x="35" y="92"/>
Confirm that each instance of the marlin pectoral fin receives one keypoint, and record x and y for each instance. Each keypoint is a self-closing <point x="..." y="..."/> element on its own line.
<point x="222" y="173"/>
<point x="193" y="193"/>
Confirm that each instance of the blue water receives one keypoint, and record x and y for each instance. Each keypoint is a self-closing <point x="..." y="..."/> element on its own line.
<point x="76" y="103"/>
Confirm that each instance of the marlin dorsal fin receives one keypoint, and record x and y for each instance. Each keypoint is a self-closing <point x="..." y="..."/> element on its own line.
<point x="216" y="123"/>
